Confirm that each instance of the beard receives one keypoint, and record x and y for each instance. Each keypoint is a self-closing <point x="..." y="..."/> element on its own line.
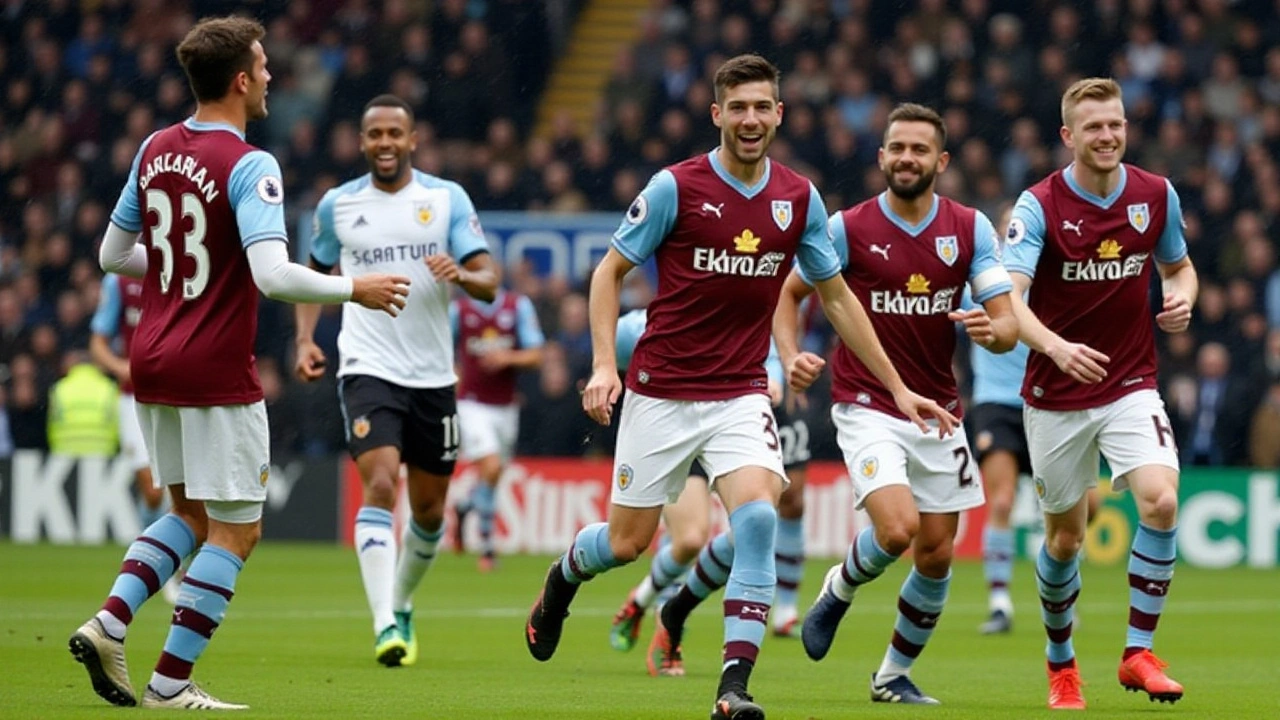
<point x="911" y="190"/>
<point x="396" y="173"/>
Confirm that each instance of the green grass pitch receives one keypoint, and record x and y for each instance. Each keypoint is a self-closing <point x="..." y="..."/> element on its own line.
<point x="297" y="643"/>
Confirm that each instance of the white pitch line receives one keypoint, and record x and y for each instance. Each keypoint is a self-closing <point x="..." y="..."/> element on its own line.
<point x="1189" y="607"/>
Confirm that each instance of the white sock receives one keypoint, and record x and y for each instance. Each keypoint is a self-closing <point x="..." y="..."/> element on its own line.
<point x="1000" y="600"/>
<point x="112" y="625"/>
<point x="645" y="592"/>
<point x="889" y="669"/>
<point x="376" y="551"/>
<point x="165" y="686"/>
<point x="416" y="556"/>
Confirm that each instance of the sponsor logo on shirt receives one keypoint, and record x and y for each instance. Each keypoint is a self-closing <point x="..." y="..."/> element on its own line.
<point x="918" y="299"/>
<point x="743" y="264"/>
<point x="1109" y="265"/>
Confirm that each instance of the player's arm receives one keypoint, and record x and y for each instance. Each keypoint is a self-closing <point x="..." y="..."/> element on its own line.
<point x="528" y="354"/>
<point x="1024" y="242"/>
<point x="309" y="361"/>
<point x="648" y="220"/>
<point x="820" y="257"/>
<point x="104" y="325"/>
<point x="800" y="370"/>
<point x="257" y="195"/>
<point x="120" y="251"/>
<point x="604" y="301"/>
<point x="470" y="266"/>
<point x="991" y="325"/>
<point x="1179" y="282"/>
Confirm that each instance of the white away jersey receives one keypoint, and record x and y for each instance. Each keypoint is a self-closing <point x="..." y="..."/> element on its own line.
<point x="368" y="230"/>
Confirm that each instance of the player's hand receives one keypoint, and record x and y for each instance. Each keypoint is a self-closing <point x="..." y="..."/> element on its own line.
<point x="444" y="268"/>
<point x="1175" y="316"/>
<point x="1081" y="362"/>
<point x="977" y="324"/>
<point x="380" y="292"/>
<point x="310" y="362"/>
<point x="917" y="408"/>
<point x="600" y="394"/>
<point x="495" y="360"/>
<point x="775" y="394"/>
<point x="122" y="372"/>
<point x="803" y="370"/>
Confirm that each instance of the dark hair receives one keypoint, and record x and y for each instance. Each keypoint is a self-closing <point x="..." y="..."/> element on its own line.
<point x="914" y="112"/>
<point x="215" y="51"/>
<point x="391" y="101"/>
<point x="743" y="69"/>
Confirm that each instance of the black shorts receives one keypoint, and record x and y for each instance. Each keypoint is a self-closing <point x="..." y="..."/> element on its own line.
<point x="999" y="427"/>
<point x="793" y="431"/>
<point x="422" y="423"/>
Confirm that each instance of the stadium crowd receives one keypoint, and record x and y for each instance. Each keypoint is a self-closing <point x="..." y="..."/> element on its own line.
<point x="85" y="82"/>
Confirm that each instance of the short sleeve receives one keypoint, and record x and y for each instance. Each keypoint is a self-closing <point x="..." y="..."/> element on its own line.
<point x="256" y="193"/>
<point x="1025" y="239"/>
<point x="466" y="236"/>
<point x="649" y="219"/>
<point x="106" y="319"/>
<point x="127" y="214"/>
<point x="816" y="256"/>
<point x="528" y="330"/>
<point x="326" y="249"/>
<point x="987" y="276"/>
<point x="1172" y="245"/>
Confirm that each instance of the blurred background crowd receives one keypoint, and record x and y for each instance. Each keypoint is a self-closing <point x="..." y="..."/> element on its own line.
<point x="83" y="83"/>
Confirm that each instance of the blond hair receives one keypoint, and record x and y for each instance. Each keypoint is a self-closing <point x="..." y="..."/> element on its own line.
<point x="1094" y="88"/>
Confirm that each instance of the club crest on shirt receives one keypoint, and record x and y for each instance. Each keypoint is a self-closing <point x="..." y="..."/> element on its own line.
<point x="360" y="427"/>
<point x="869" y="467"/>
<point x="424" y="213"/>
<point x="625" y="475"/>
<point x="782" y="214"/>
<point x="947" y="248"/>
<point x="1139" y="217"/>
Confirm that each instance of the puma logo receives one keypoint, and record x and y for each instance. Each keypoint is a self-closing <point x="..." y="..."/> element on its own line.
<point x="882" y="251"/>
<point x="712" y="208"/>
<point x="1073" y="227"/>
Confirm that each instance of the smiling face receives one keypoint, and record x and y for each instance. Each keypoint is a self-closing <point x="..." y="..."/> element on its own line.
<point x="748" y="116"/>
<point x="388" y="140"/>
<point x="911" y="158"/>
<point x="1096" y="133"/>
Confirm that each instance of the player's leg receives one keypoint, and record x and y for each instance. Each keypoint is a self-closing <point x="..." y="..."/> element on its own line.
<point x="944" y="483"/>
<point x="687" y="525"/>
<point x="651" y="463"/>
<point x="148" y="563"/>
<point x="1064" y="456"/>
<point x="750" y="496"/>
<point x="375" y="412"/>
<point x="226" y="461"/>
<point x="743" y="456"/>
<point x="877" y="466"/>
<point x="789" y="552"/>
<point x="709" y="573"/>
<point x="1138" y="445"/>
<point x="1000" y="476"/>
<point x="482" y="448"/>
<point x="430" y="443"/>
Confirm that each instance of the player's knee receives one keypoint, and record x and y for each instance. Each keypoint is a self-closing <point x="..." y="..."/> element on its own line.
<point x="754" y="519"/>
<point x="1162" y="510"/>
<point x="1064" y="543"/>
<point x="627" y="549"/>
<point x="380" y="489"/>
<point x="999" y="507"/>
<point x="934" y="559"/>
<point x="896" y="534"/>
<point x="688" y="542"/>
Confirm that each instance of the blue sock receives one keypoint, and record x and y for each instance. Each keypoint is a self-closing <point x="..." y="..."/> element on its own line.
<point x="484" y="502"/>
<point x="789" y="557"/>
<point x="711" y="571"/>
<point x="919" y="605"/>
<point x="865" y="562"/>
<point x="207" y="589"/>
<point x="148" y="563"/>
<point x="1150" y="571"/>
<point x="752" y="580"/>
<point x="1059" y="585"/>
<point x="997" y="559"/>
<point x="589" y="555"/>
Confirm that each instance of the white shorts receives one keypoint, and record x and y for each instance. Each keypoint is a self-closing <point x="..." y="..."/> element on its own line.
<point x="132" y="446"/>
<point x="219" y="453"/>
<point x="659" y="439"/>
<point x="487" y="429"/>
<point x="882" y="450"/>
<point x="1064" y="445"/>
